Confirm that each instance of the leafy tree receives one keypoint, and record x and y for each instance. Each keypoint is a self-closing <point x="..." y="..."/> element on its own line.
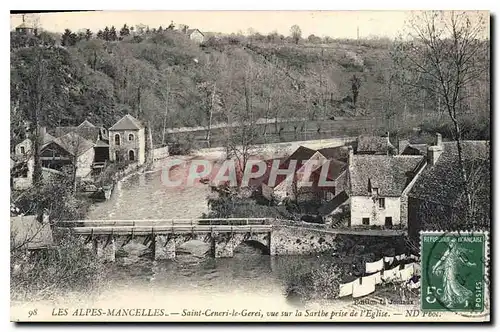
<point x="112" y="34"/>
<point x="68" y="38"/>
<point x="100" y="34"/>
<point x="124" y="31"/>
<point x="105" y="34"/>
<point x="296" y="33"/>
<point x="88" y="34"/>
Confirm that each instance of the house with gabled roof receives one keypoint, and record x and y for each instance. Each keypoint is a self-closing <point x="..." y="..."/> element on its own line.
<point x="127" y="140"/>
<point x="438" y="198"/>
<point x="379" y="185"/>
<point x="195" y="35"/>
<point x="325" y="174"/>
<point x="72" y="150"/>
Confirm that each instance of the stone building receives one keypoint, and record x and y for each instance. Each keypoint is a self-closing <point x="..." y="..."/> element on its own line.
<point x="127" y="140"/>
<point x="379" y="188"/>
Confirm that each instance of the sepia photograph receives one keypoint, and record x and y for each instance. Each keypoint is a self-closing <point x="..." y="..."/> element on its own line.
<point x="250" y="166"/>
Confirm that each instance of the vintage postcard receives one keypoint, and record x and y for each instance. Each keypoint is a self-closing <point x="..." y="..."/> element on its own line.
<point x="250" y="166"/>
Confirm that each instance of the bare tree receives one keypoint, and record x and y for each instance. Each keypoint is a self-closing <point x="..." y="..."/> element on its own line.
<point x="355" y="86"/>
<point x="446" y="52"/>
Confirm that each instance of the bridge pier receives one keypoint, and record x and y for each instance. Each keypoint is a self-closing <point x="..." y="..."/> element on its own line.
<point x="105" y="248"/>
<point x="225" y="244"/>
<point x="164" y="247"/>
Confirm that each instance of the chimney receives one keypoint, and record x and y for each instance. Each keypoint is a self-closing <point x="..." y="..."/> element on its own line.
<point x="439" y="140"/>
<point x="350" y="156"/>
<point x="433" y="152"/>
<point x="388" y="138"/>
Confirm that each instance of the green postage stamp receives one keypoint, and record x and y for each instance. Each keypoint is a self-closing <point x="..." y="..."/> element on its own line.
<point x="454" y="268"/>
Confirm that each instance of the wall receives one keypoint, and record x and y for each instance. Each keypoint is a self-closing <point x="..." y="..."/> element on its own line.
<point x="197" y="37"/>
<point x="160" y="153"/>
<point x="366" y="207"/>
<point x="292" y="240"/>
<point x="84" y="164"/>
<point x="138" y="145"/>
<point x="27" y="144"/>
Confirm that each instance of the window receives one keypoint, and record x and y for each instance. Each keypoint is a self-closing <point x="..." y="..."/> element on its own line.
<point x="117" y="156"/>
<point x="23" y="151"/>
<point x="131" y="155"/>
<point x="388" y="222"/>
<point x="117" y="139"/>
<point x="381" y="203"/>
<point x="366" y="221"/>
<point x="130" y="137"/>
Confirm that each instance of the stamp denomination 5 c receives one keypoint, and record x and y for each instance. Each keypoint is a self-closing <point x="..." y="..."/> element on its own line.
<point x="453" y="271"/>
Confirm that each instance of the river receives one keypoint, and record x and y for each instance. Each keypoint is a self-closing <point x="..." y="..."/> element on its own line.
<point x="193" y="281"/>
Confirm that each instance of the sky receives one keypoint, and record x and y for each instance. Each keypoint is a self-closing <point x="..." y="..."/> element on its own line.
<point x="336" y="24"/>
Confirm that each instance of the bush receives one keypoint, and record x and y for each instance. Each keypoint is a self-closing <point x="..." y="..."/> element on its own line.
<point x="318" y="282"/>
<point x="48" y="273"/>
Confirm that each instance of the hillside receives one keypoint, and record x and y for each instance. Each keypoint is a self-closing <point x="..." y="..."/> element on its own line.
<point x="164" y="73"/>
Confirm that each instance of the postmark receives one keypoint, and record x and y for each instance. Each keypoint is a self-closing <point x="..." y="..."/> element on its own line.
<point x="454" y="268"/>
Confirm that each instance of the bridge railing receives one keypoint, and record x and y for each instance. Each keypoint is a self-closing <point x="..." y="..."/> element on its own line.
<point x="166" y="222"/>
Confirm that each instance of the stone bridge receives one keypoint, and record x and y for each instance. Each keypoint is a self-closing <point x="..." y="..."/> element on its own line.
<point x="165" y="236"/>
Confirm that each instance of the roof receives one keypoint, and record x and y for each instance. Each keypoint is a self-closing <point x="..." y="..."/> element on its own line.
<point x="73" y="143"/>
<point x="335" y="168"/>
<point x="47" y="138"/>
<point x="86" y="124"/>
<point x="24" y="26"/>
<point x="430" y="185"/>
<point x="27" y="232"/>
<point x="101" y="144"/>
<point x="340" y="153"/>
<point x="128" y="122"/>
<point x="190" y="31"/>
<point x="390" y="174"/>
<point x="374" y="144"/>
<point x="333" y="204"/>
<point x="89" y="133"/>
<point x="415" y="149"/>
<point x="301" y="154"/>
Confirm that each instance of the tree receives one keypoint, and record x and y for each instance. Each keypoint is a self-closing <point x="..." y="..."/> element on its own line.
<point x="296" y="33"/>
<point x="112" y="34"/>
<point x="446" y="53"/>
<point x="355" y="86"/>
<point x="105" y="34"/>
<point x="100" y="34"/>
<point x="68" y="38"/>
<point x="124" y="31"/>
<point x="88" y="34"/>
